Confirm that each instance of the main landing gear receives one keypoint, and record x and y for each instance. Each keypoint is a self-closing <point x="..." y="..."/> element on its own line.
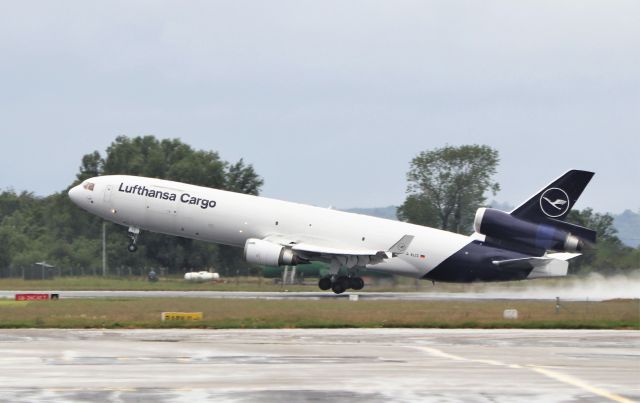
<point x="340" y="284"/>
<point x="133" y="238"/>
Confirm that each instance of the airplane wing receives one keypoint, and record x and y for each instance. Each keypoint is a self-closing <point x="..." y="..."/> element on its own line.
<point x="348" y="256"/>
<point x="551" y="265"/>
<point x="325" y="250"/>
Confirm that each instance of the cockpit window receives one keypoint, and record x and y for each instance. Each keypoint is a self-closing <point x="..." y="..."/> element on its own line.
<point x="88" y="185"/>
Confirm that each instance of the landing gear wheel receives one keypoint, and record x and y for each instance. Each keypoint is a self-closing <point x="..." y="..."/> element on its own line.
<point x="132" y="247"/>
<point x="338" y="287"/>
<point x="344" y="280"/>
<point x="324" y="283"/>
<point x="356" y="283"/>
<point x="340" y="284"/>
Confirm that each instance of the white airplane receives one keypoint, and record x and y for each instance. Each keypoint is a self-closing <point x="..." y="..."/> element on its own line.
<point x="532" y="241"/>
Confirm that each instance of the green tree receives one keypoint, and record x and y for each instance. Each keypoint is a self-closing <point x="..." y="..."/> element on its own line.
<point x="417" y="209"/>
<point x="5" y="250"/>
<point x="91" y="166"/>
<point x="609" y="254"/>
<point x="242" y="179"/>
<point x="601" y="223"/>
<point x="447" y="185"/>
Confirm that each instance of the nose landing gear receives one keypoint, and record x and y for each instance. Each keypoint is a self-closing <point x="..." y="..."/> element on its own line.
<point x="133" y="238"/>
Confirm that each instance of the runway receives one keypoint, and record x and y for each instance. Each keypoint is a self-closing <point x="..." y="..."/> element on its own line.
<point x="373" y="365"/>
<point x="399" y="296"/>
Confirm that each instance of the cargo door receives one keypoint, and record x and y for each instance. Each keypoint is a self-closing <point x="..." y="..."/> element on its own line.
<point x="161" y="215"/>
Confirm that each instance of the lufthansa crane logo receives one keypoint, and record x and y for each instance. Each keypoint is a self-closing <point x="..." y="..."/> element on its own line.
<point x="554" y="202"/>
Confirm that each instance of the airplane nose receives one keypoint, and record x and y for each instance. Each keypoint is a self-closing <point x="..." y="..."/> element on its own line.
<point x="75" y="194"/>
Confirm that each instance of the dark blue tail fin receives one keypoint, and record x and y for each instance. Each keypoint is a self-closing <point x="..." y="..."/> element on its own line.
<point x="552" y="204"/>
<point x="556" y="199"/>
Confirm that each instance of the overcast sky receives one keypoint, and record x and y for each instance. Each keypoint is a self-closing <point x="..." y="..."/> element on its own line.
<point x="329" y="100"/>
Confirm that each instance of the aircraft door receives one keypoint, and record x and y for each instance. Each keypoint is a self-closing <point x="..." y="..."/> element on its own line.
<point x="161" y="214"/>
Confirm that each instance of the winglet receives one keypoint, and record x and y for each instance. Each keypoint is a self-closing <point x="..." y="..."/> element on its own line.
<point x="402" y="245"/>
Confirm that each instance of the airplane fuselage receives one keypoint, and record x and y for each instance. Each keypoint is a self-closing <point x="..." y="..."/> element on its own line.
<point x="230" y="218"/>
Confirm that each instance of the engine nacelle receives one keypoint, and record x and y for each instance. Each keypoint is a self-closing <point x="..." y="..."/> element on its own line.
<point x="503" y="226"/>
<point x="268" y="253"/>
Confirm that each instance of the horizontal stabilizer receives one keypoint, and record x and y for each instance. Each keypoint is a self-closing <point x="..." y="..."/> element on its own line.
<point x="553" y="265"/>
<point x="563" y="255"/>
<point x="523" y="263"/>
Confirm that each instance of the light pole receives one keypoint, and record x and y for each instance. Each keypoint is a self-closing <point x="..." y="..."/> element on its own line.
<point x="104" y="248"/>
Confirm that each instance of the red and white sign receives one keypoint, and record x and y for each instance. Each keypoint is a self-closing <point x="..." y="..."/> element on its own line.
<point x="32" y="297"/>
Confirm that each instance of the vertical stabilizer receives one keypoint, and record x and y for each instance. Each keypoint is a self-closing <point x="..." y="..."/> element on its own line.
<point x="555" y="200"/>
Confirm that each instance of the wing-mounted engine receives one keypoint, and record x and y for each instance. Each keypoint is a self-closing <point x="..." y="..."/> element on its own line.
<point x="542" y="236"/>
<point x="267" y="253"/>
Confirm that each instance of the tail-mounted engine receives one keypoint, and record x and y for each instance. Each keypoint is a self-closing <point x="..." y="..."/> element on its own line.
<point x="268" y="253"/>
<point x="505" y="227"/>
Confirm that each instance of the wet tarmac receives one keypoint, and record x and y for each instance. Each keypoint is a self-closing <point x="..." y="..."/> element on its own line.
<point x="373" y="365"/>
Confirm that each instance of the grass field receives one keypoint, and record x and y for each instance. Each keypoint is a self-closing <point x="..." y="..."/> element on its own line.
<point x="178" y="284"/>
<point x="256" y="284"/>
<point x="141" y="284"/>
<point x="228" y="313"/>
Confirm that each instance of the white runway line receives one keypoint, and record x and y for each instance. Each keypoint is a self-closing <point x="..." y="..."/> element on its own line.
<point x="558" y="376"/>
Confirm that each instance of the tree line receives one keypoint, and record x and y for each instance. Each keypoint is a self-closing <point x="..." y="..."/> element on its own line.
<point x="53" y="229"/>
<point x="445" y="187"/>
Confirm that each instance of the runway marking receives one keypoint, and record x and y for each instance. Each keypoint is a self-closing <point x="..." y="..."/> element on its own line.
<point x="440" y="353"/>
<point x="558" y="376"/>
<point x="568" y="379"/>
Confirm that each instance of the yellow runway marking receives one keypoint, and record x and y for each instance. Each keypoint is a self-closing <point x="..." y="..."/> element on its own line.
<point x="570" y="380"/>
<point x="580" y="384"/>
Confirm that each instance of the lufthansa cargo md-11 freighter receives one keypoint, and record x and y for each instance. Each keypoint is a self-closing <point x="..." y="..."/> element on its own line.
<point x="532" y="241"/>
